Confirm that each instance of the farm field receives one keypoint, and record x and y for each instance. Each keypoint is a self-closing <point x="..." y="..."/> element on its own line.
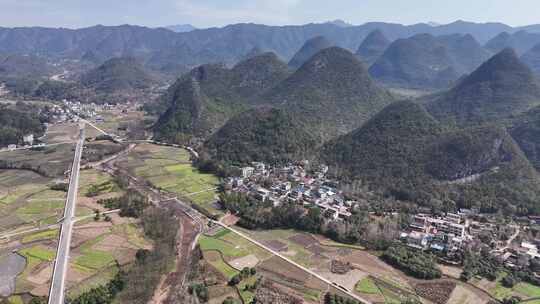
<point x="64" y="132"/>
<point x="122" y="122"/>
<point x="27" y="201"/>
<point x="368" y="276"/>
<point x="170" y="169"/>
<point x="98" y="248"/>
<point x="226" y="253"/>
<point x="523" y="290"/>
<point x="50" y="161"/>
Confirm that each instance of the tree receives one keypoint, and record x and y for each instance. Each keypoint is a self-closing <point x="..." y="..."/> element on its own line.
<point x="509" y="281"/>
<point x="235" y="280"/>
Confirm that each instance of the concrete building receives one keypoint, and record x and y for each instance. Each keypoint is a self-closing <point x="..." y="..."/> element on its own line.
<point x="28" y="139"/>
<point x="247" y="172"/>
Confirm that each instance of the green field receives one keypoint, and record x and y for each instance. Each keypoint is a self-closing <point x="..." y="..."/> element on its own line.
<point x="96" y="181"/>
<point x="26" y="200"/>
<point x="298" y="253"/>
<point x="367" y="286"/>
<point x="38" y="252"/>
<point x="230" y="246"/>
<point x="227" y="249"/>
<point x="15" y="300"/>
<point x="91" y="258"/>
<point x="36" y="210"/>
<point x="170" y="169"/>
<point x="527" y="289"/>
<point x="40" y="236"/>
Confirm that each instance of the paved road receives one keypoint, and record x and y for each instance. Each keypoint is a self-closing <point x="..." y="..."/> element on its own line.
<point x="56" y="292"/>
<point x="352" y="295"/>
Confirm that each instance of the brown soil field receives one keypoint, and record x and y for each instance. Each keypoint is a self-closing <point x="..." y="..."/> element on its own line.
<point x="437" y="292"/>
<point x="247" y="261"/>
<point x="220" y="292"/>
<point x="276" y="245"/>
<point x="41" y="274"/>
<point x="40" y="290"/>
<point x="283" y="269"/>
<point x="316" y="249"/>
<point x="374" y="266"/>
<point x="462" y="295"/>
<point x="61" y="132"/>
<point x="229" y="219"/>
<point x="451" y="271"/>
<point x="113" y="242"/>
<point x="305" y="240"/>
<point x="76" y="276"/>
<point x="348" y="280"/>
<point x="316" y="283"/>
<point x="124" y="256"/>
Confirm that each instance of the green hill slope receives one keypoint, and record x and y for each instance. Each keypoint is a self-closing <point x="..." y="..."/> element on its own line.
<point x="330" y="95"/>
<point x="526" y="131"/>
<point x="501" y="87"/>
<point x="308" y="50"/>
<point x="404" y="152"/>
<point x="118" y="74"/>
<point x="261" y="134"/>
<point x="202" y="101"/>
<point x="372" y="47"/>
<point x="388" y="145"/>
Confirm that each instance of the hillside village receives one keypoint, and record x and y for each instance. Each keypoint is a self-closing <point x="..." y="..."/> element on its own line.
<point x="447" y="235"/>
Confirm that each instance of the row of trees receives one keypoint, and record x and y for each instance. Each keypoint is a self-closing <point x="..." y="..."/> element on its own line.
<point x="131" y="204"/>
<point x="415" y="263"/>
<point x="353" y="230"/>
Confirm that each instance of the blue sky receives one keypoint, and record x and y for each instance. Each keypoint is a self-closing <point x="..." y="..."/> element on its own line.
<point x="207" y="13"/>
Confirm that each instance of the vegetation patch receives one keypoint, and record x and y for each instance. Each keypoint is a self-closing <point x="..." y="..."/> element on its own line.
<point x="414" y="262"/>
<point x="227" y="249"/>
<point x="40" y="236"/>
<point x="367" y="286"/>
<point x="91" y="258"/>
<point x="39" y="252"/>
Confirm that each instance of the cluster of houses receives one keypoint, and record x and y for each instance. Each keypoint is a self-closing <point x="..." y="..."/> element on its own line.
<point x="445" y="234"/>
<point x="520" y="256"/>
<point x="449" y="234"/>
<point x="87" y="110"/>
<point x="292" y="183"/>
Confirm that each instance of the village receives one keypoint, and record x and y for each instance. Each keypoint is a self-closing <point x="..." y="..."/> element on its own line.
<point x="447" y="236"/>
<point x="67" y="112"/>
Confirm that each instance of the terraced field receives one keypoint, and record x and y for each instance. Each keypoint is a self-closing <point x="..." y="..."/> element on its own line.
<point x="26" y="200"/>
<point x="97" y="246"/>
<point x="523" y="290"/>
<point x="227" y="253"/>
<point x="170" y="169"/>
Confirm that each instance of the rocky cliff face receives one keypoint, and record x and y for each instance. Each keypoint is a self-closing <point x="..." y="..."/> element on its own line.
<point x="468" y="153"/>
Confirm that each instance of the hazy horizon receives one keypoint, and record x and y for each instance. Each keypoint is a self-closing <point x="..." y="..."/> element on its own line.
<point x="214" y="13"/>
